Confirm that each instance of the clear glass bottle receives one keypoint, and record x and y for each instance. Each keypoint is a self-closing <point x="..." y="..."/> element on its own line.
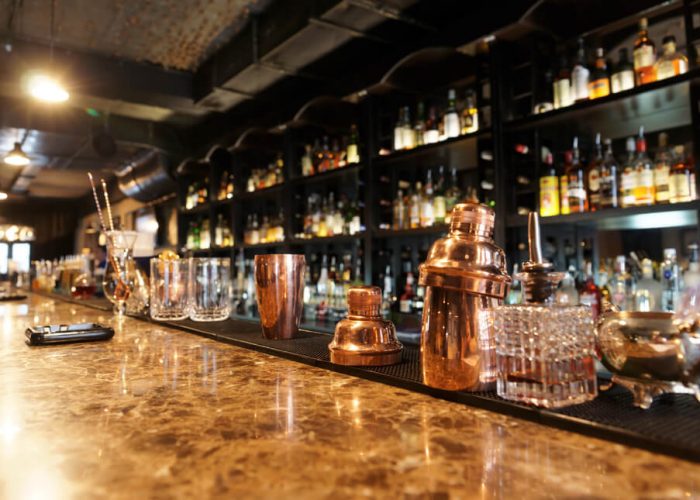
<point x="670" y="281"/>
<point x="622" y="286"/>
<point x="544" y="352"/>
<point x="464" y="275"/>
<point x="567" y="294"/>
<point x="671" y="63"/>
<point x="647" y="296"/>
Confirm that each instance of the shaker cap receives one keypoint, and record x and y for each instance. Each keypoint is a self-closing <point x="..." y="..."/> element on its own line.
<point x="364" y="300"/>
<point x="467" y="259"/>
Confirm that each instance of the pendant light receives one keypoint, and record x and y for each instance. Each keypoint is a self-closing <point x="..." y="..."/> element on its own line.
<point x="41" y="86"/>
<point x="17" y="157"/>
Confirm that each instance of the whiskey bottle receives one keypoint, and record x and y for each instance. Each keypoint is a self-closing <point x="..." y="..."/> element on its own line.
<point x="470" y="114"/>
<point x="398" y="131"/>
<point x="671" y="63"/>
<point x="593" y="176"/>
<point x="432" y="133"/>
<point x="580" y="75"/>
<point x="628" y="178"/>
<point x="549" y="189"/>
<point x="564" y="185"/>
<point x="562" y="85"/>
<point x="644" y="55"/>
<point x="609" y="172"/>
<point x="623" y="75"/>
<point x="453" y="195"/>
<point x="644" y="190"/>
<point x="662" y="170"/>
<point x="439" y="204"/>
<point x="307" y="165"/>
<point x="681" y="179"/>
<point x="451" y="120"/>
<point x="419" y="126"/>
<point x="427" y="215"/>
<point x="409" y="138"/>
<point x="599" y="85"/>
<point x="353" y="149"/>
<point x="578" y="200"/>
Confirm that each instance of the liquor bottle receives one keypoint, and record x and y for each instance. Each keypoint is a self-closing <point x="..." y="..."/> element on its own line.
<point x="427" y="214"/>
<point x="609" y="197"/>
<point x="644" y="190"/>
<point x="254" y="235"/>
<point x="398" y="131"/>
<point x="670" y="281"/>
<point x="409" y="137"/>
<point x="451" y="120"/>
<point x="589" y="295"/>
<point x="647" y="297"/>
<point x="644" y="55"/>
<point x="681" y="178"/>
<point x="189" y="243"/>
<point x="628" y="178"/>
<point x="406" y="299"/>
<point x="578" y="201"/>
<point x="567" y="294"/>
<point x="326" y="163"/>
<point x="662" y="170"/>
<point x="549" y="189"/>
<point x="399" y="212"/>
<point x="543" y="96"/>
<point x="671" y="63"/>
<point x="621" y="285"/>
<point x="562" y="86"/>
<point x="230" y="186"/>
<point x="219" y="231"/>
<point x="432" y="133"/>
<point x="580" y="75"/>
<point x="419" y="125"/>
<point x="223" y="182"/>
<point x="564" y="208"/>
<point x="307" y="165"/>
<point x="470" y="114"/>
<point x="515" y="292"/>
<point x="205" y="235"/>
<point x="388" y="297"/>
<point x="453" y="195"/>
<point x="439" y="203"/>
<point x="316" y="156"/>
<point x="414" y="207"/>
<point x="593" y="176"/>
<point x="189" y="198"/>
<point x="623" y="75"/>
<point x="599" y="85"/>
<point x="353" y="149"/>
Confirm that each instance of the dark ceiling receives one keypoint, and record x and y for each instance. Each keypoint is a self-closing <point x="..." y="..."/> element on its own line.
<point x="180" y="75"/>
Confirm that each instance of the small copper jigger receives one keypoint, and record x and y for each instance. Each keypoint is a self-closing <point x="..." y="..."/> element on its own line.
<point x="364" y="338"/>
<point x="279" y="288"/>
<point x="465" y="276"/>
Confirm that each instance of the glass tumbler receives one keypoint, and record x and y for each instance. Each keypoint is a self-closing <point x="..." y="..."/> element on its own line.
<point x="210" y="289"/>
<point x="169" y="289"/>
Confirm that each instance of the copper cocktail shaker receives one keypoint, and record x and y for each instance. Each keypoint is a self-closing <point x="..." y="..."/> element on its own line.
<point x="279" y="288"/>
<point x="364" y="338"/>
<point x="464" y="275"/>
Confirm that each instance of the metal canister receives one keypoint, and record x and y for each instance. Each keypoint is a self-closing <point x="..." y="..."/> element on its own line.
<point x="465" y="276"/>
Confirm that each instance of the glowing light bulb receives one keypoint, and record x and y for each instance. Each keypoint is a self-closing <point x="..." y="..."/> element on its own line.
<point x="3" y="195"/>
<point x="17" y="157"/>
<point x="44" y="88"/>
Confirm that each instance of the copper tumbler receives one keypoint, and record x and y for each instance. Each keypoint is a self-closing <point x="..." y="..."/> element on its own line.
<point x="465" y="276"/>
<point x="279" y="288"/>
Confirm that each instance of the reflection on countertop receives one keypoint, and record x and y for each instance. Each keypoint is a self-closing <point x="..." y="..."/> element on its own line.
<point x="159" y="412"/>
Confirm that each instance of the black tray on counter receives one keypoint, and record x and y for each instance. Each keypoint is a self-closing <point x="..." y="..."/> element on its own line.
<point x="671" y="426"/>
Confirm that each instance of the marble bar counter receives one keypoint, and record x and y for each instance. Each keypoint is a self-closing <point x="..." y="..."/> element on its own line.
<point x="157" y="412"/>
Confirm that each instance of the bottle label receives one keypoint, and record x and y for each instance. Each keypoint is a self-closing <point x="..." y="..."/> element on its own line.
<point x="452" y="127"/>
<point x="352" y="155"/>
<point x="665" y="69"/>
<point x="431" y="136"/>
<point x="608" y="191"/>
<point x="562" y="93"/>
<point x="628" y="183"/>
<point x="398" y="138"/>
<point x="644" y="56"/>
<point x="439" y="208"/>
<point x="679" y="187"/>
<point x="579" y="82"/>
<point x="644" y="190"/>
<point x="405" y="306"/>
<point x="599" y="88"/>
<point x="408" y="138"/>
<point x="624" y="80"/>
<point x="661" y="180"/>
<point x="549" y="196"/>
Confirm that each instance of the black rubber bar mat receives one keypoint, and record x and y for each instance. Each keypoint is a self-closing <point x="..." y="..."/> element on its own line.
<point x="671" y="426"/>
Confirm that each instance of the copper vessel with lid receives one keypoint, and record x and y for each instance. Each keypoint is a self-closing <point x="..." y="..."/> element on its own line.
<point x="465" y="276"/>
<point x="364" y="338"/>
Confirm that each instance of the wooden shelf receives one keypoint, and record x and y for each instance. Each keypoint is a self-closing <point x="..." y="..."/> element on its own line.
<point x="633" y="104"/>
<point x="328" y="175"/>
<point x="674" y="215"/>
<point x="429" y="148"/>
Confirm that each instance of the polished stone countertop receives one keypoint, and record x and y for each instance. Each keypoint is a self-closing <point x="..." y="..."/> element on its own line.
<point x="157" y="412"/>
